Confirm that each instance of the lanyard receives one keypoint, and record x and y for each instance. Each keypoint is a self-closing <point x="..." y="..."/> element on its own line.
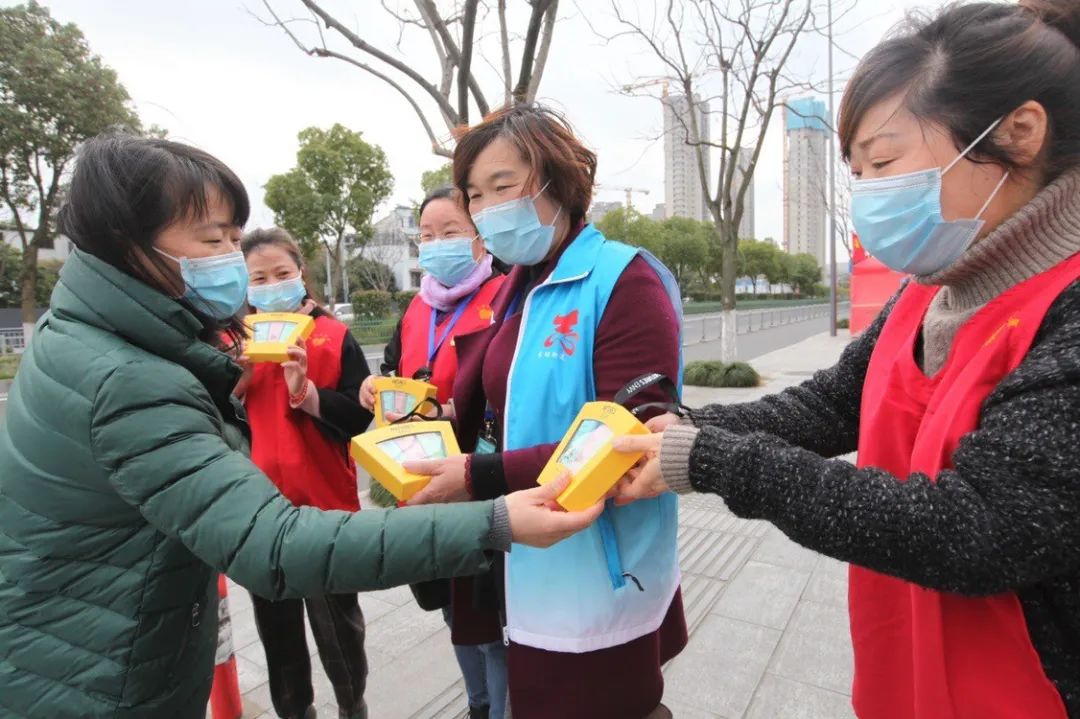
<point x="433" y="345"/>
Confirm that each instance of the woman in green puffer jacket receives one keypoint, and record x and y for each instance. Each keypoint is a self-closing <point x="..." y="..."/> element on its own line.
<point x="124" y="487"/>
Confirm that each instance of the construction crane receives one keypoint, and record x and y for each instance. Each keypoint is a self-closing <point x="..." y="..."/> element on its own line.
<point x="663" y="81"/>
<point x="629" y="193"/>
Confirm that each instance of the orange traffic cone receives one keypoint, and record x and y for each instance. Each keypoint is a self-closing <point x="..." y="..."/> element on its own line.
<point x="225" y="700"/>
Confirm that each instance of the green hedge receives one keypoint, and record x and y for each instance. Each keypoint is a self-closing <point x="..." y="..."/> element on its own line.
<point x="380" y="495"/>
<point x="843" y="324"/>
<point x="403" y="299"/>
<point x="372" y="304"/>
<point x="719" y="374"/>
<point x="8" y="365"/>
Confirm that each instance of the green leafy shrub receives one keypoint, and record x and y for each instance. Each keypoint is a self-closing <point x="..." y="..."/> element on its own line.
<point x="712" y="373"/>
<point x="380" y="495"/>
<point x="372" y="304"/>
<point x="9" y="364"/>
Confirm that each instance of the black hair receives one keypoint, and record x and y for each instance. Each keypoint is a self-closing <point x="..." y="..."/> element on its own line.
<point x="972" y="64"/>
<point x="126" y="189"/>
<point x="446" y="192"/>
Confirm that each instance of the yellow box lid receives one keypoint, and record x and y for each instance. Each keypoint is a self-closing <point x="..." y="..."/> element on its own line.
<point x="270" y="334"/>
<point x="381" y="453"/>
<point x="586" y="452"/>
<point x="399" y="395"/>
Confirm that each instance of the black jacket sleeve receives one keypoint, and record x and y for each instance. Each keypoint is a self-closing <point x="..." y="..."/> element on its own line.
<point x="1006" y="516"/>
<point x="341" y="416"/>
<point x="392" y="352"/>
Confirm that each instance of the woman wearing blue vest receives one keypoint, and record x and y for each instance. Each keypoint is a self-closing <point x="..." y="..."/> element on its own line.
<point x="578" y="318"/>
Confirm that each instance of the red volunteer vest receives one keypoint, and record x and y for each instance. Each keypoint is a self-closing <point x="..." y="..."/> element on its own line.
<point x="415" y="326"/>
<point x="920" y="653"/>
<point x="287" y="444"/>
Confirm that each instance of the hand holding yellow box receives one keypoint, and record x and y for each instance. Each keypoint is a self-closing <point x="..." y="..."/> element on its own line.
<point x="271" y="334"/>
<point x="381" y="452"/>
<point x="587" y="453"/>
<point x="400" y="396"/>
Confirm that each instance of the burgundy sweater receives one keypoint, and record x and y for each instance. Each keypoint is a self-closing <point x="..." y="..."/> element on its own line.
<point x="637" y="334"/>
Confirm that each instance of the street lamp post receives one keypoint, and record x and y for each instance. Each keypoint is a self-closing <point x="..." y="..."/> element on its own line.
<point x="832" y="190"/>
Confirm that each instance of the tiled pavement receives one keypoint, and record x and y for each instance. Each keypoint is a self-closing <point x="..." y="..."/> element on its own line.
<point x="768" y="618"/>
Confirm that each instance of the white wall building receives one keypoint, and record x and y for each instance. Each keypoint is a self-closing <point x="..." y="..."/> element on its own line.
<point x="684" y="192"/>
<point x="659" y="213"/>
<point x="806" y="147"/>
<point x="393" y="244"/>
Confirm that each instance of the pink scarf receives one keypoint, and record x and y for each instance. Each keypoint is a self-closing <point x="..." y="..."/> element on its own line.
<point x="444" y="299"/>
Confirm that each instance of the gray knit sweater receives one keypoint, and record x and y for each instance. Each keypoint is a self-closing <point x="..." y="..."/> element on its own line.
<point x="1006" y="517"/>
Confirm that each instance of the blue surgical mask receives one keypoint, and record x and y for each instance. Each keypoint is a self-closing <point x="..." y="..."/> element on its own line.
<point x="282" y="296"/>
<point x="449" y="260"/>
<point x="214" y="285"/>
<point x="512" y="231"/>
<point x="899" y="219"/>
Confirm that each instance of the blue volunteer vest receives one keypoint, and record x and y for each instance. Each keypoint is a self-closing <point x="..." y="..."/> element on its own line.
<point x="581" y="594"/>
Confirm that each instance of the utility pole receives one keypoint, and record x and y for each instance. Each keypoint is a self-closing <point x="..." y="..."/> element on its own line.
<point x="832" y="189"/>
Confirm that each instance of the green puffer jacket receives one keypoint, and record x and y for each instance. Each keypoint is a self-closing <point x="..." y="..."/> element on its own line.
<point x="122" y="494"/>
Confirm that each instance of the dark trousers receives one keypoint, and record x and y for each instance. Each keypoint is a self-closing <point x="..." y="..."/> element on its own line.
<point x="338" y="627"/>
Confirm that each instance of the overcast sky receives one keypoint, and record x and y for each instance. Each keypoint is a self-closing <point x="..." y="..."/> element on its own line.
<point x="215" y="77"/>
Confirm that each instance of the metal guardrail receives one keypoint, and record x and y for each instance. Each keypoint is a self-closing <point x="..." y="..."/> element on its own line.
<point x="706" y="328"/>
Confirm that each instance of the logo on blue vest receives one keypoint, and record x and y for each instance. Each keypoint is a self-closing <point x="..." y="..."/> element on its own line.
<point x="562" y="343"/>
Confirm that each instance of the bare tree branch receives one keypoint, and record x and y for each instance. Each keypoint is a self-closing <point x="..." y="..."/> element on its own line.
<point x="504" y="40"/>
<point x="528" y="54"/>
<point x="360" y="44"/>
<point x="545" y="48"/>
<point x="431" y="15"/>
<point x="458" y="55"/>
<point x="437" y="147"/>
<point x="465" y="65"/>
<point x="737" y="55"/>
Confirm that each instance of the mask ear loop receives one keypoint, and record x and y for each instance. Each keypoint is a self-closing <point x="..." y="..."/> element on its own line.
<point x="993" y="194"/>
<point x="975" y="142"/>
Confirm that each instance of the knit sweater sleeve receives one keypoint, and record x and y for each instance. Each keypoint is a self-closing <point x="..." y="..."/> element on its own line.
<point x="1007" y="514"/>
<point x="821" y="414"/>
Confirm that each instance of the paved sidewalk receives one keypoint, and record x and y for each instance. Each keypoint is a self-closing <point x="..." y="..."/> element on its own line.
<point x="768" y="619"/>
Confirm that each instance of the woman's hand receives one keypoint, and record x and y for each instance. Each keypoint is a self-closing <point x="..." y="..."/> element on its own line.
<point x="536" y="519"/>
<point x="447" y="480"/>
<point x="367" y="393"/>
<point x="296" y="368"/>
<point x="660" y="423"/>
<point x="643" y="480"/>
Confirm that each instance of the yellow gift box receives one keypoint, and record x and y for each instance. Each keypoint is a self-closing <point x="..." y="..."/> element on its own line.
<point x="587" y="453"/>
<point x="399" y="395"/>
<point x="270" y="334"/>
<point x="381" y="453"/>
